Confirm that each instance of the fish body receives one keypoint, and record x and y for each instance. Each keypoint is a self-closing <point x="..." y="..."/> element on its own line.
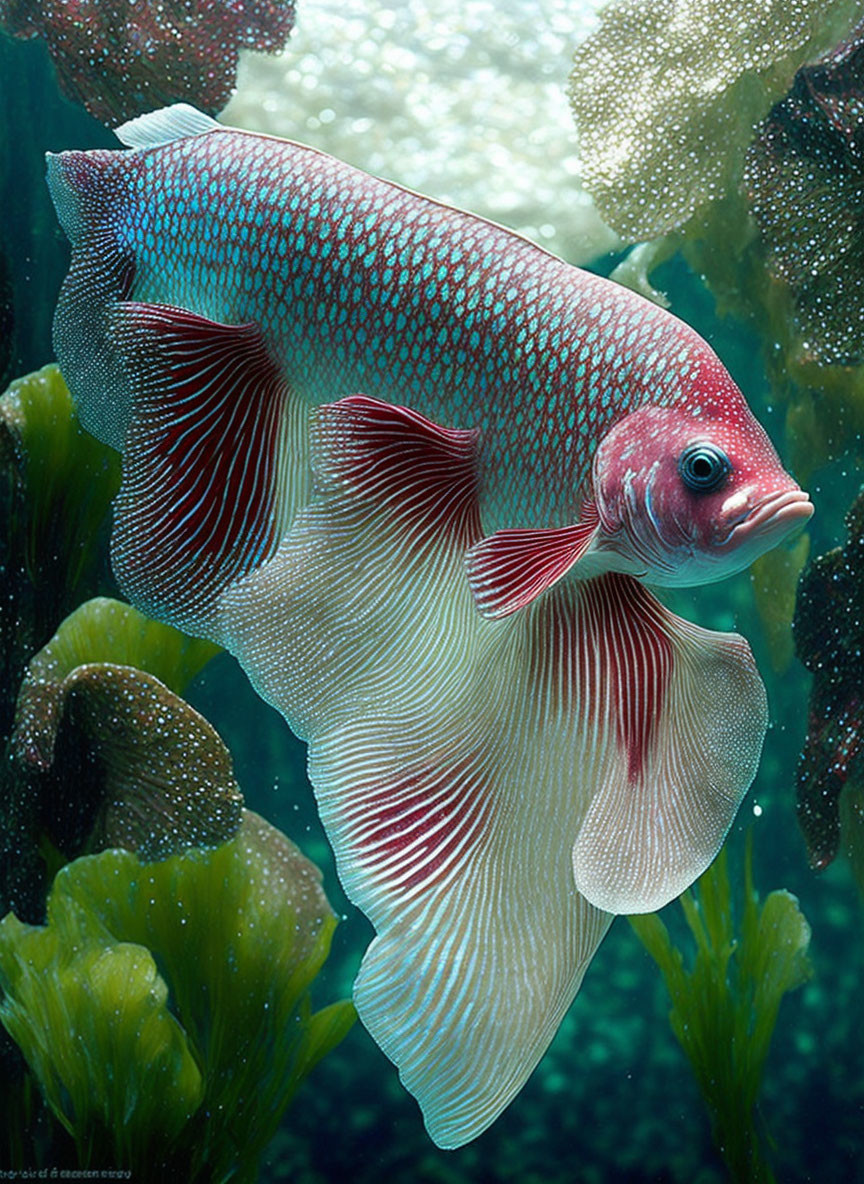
<point x="360" y="285"/>
<point x="351" y="418"/>
<point x="357" y="284"/>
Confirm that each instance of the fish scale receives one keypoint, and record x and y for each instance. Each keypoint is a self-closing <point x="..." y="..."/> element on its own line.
<point x="360" y="285"/>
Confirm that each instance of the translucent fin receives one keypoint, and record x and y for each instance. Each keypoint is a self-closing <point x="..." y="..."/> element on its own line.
<point x="209" y="459"/>
<point x="154" y="128"/>
<point x="690" y="714"/>
<point x="511" y="568"/>
<point x="459" y="761"/>
<point x="333" y="618"/>
<point x="423" y="739"/>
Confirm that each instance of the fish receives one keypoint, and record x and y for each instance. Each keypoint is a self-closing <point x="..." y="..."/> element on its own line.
<point x="419" y="475"/>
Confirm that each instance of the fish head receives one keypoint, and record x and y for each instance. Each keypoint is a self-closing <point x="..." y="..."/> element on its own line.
<point x="688" y="498"/>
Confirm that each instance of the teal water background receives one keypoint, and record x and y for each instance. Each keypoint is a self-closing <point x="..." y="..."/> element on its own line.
<point x="613" y="1100"/>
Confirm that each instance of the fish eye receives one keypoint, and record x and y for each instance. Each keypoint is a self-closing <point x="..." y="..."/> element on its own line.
<point x="703" y="467"/>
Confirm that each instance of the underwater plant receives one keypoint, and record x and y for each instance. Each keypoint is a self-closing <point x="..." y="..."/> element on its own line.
<point x="829" y="639"/>
<point x="665" y="112"/>
<point x="164" y="1007"/>
<point x="774" y="582"/>
<point x="56" y="487"/>
<point x="725" y="1003"/>
<point x="103" y="753"/>
<point x="740" y="151"/>
<point x="804" y="174"/>
<point x="162" y="1010"/>
<point x="122" y="57"/>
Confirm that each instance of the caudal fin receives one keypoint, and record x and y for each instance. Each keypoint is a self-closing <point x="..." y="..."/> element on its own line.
<point x="86" y="188"/>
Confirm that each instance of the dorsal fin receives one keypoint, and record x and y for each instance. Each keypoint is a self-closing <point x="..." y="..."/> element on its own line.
<point x="176" y="122"/>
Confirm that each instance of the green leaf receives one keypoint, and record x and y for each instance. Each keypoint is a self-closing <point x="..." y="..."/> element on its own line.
<point x="68" y="477"/>
<point x="239" y="934"/>
<point x="105" y="630"/>
<point x="725" y="1003"/>
<point x="93" y="1024"/>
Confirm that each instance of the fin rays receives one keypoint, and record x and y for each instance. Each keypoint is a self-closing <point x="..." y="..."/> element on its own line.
<point x="471" y="773"/>
<point x="203" y="496"/>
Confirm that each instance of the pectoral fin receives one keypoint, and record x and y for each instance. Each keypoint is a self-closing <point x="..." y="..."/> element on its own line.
<point x="509" y="569"/>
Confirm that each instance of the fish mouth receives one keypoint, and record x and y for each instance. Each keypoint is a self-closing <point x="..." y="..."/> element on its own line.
<point x="775" y="516"/>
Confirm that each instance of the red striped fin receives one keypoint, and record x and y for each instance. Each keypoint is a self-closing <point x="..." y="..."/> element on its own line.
<point x="684" y="713"/>
<point x="399" y="458"/>
<point x="509" y="569"/>
<point x="203" y="494"/>
<point x="468" y="770"/>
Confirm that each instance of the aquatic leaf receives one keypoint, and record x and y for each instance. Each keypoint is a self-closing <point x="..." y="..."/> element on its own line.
<point x="106" y="754"/>
<point x="804" y="174"/>
<point x="56" y="486"/>
<point x="665" y="111"/>
<point x="240" y="934"/>
<point x="94" y="1025"/>
<point x="187" y="1068"/>
<point x="725" y="1003"/>
<point x="828" y="629"/>
<point x="120" y="58"/>
<point x="105" y="630"/>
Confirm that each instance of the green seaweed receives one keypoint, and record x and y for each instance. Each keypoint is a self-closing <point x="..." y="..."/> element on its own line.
<point x="164" y="1009"/>
<point x="665" y="113"/>
<point x="160" y="1019"/>
<point x="56" y="486"/>
<point x="123" y="1083"/>
<point x="106" y="630"/>
<point x="725" y="1004"/>
<point x="104" y="752"/>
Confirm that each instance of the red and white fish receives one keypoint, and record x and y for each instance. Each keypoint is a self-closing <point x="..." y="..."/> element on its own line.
<point x="533" y="442"/>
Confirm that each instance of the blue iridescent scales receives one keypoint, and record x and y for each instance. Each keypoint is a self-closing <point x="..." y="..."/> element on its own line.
<point x="361" y="285"/>
<point x="351" y="417"/>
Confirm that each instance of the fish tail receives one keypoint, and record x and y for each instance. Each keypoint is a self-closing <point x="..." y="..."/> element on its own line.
<point x="85" y="188"/>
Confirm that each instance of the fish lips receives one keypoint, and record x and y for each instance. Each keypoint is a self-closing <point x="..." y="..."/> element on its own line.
<point x="764" y="525"/>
